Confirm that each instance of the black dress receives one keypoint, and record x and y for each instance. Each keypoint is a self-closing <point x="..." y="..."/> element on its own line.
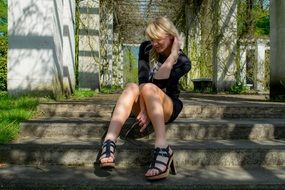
<point x="170" y="85"/>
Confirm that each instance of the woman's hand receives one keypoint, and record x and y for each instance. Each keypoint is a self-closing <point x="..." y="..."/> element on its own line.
<point x="143" y="120"/>
<point x="175" y="47"/>
<point x="165" y="69"/>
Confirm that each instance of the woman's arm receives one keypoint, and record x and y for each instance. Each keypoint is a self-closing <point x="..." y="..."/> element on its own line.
<point x="165" y="69"/>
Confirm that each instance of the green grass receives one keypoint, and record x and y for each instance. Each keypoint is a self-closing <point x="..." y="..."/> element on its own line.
<point x="12" y="112"/>
<point x="110" y="89"/>
<point x="82" y="93"/>
<point x="85" y="93"/>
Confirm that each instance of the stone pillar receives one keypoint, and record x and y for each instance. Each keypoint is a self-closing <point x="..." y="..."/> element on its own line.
<point x="35" y="56"/>
<point x="109" y="44"/>
<point x="225" y="41"/>
<point x="106" y="42"/>
<point x="118" y="61"/>
<point x="243" y="51"/>
<point x="69" y="45"/>
<point x="259" y="70"/>
<point x="89" y="45"/>
<point x="193" y="38"/>
<point x="277" y="49"/>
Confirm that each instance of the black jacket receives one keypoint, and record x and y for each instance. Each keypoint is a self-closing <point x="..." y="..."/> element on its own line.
<point x="182" y="66"/>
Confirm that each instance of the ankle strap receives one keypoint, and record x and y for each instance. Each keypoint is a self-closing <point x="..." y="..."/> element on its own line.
<point x="108" y="144"/>
<point x="162" y="151"/>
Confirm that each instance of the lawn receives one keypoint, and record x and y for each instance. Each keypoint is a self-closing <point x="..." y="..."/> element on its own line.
<point x="81" y="93"/>
<point x="15" y="110"/>
<point x="12" y="112"/>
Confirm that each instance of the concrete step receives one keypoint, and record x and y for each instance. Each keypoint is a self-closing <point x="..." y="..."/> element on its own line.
<point x="195" y="109"/>
<point x="213" y="178"/>
<point x="182" y="128"/>
<point x="134" y="153"/>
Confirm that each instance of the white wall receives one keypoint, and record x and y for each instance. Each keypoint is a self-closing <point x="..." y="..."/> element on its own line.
<point x="224" y="50"/>
<point x="277" y="49"/>
<point x="89" y="45"/>
<point x="40" y="48"/>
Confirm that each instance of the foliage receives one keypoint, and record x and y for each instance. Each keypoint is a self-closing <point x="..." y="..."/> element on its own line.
<point x="12" y="112"/>
<point x="77" y="19"/>
<point x="3" y="17"/>
<point x="110" y="89"/>
<point x="263" y="25"/>
<point x="266" y="82"/>
<point x="3" y="44"/>
<point x="3" y="8"/>
<point x="237" y="88"/>
<point x="262" y="22"/>
<point x="255" y="22"/>
<point x="85" y="93"/>
<point x="3" y="62"/>
<point x="106" y="65"/>
<point x="130" y="67"/>
<point x="81" y="93"/>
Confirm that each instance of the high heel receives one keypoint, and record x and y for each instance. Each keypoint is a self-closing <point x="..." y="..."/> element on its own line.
<point x="108" y="153"/>
<point x="172" y="168"/>
<point x="164" y="152"/>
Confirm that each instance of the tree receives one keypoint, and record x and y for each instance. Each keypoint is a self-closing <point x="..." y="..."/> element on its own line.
<point x="3" y="44"/>
<point x="3" y="17"/>
<point x="255" y="22"/>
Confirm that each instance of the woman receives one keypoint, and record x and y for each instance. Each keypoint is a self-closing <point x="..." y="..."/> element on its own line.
<point x="155" y="99"/>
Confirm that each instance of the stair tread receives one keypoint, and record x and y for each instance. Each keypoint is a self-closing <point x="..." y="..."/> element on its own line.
<point x="135" y="153"/>
<point x="184" y="128"/>
<point x="185" y="103"/>
<point x="59" y="177"/>
<point x="191" y="98"/>
<point x="142" y="143"/>
<point x="94" y="120"/>
<point x="222" y="102"/>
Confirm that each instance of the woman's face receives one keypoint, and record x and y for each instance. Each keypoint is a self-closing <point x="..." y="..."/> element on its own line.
<point x="163" y="45"/>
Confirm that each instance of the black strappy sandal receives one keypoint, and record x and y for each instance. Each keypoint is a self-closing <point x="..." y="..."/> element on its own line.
<point x="164" y="152"/>
<point x="107" y="153"/>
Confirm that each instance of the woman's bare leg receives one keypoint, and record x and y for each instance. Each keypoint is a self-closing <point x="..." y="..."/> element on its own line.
<point x="121" y="112"/>
<point x="159" y="108"/>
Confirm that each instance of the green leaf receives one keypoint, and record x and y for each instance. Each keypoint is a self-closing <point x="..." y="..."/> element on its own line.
<point x="3" y="28"/>
<point x="3" y="9"/>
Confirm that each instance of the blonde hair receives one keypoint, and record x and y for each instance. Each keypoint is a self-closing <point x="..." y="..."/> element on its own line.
<point x="155" y="30"/>
<point x="160" y="26"/>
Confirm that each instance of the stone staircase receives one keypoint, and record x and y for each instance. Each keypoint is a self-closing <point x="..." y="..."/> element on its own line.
<point x="220" y="142"/>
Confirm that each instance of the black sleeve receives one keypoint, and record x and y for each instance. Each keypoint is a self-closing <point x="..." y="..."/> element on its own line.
<point x="143" y="62"/>
<point x="182" y="67"/>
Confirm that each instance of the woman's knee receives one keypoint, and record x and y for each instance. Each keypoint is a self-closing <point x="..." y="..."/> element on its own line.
<point x="132" y="88"/>
<point x="148" y="89"/>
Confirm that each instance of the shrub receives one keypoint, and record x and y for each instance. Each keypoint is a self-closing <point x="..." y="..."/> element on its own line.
<point x="237" y="88"/>
<point x="3" y="63"/>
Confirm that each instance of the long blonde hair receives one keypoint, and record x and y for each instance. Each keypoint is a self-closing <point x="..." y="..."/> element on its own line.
<point x="155" y="31"/>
